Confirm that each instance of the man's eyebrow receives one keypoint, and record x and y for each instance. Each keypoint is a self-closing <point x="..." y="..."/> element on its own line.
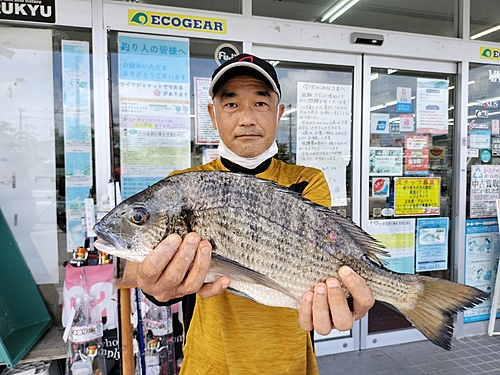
<point x="263" y="93"/>
<point x="232" y="94"/>
<point x="228" y="94"/>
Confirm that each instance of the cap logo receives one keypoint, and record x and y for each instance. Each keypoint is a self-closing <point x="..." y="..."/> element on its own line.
<point x="247" y="58"/>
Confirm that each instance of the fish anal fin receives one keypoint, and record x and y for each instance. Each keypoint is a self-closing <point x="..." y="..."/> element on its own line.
<point x="235" y="271"/>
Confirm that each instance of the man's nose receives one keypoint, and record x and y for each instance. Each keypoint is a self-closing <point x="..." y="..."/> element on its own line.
<point x="246" y="116"/>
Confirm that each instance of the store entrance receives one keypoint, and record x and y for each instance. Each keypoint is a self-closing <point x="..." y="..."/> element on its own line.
<point x="408" y="130"/>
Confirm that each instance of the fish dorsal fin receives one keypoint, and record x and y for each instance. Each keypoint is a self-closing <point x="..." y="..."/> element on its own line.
<point x="235" y="271"/>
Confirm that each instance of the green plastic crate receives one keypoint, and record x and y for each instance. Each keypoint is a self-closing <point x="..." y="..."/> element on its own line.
<point x="24" y="318"/>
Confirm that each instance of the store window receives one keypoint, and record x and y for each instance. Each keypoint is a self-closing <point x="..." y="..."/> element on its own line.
<point x="482" y="244"/>
<point x="429" y="17"/>
<point x="46" y="145"/>
<point x="410" y="176"/>
<point x="484" y="20"/>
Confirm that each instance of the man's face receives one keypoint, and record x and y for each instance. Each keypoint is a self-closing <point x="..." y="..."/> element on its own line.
<point x="246" y="113"/>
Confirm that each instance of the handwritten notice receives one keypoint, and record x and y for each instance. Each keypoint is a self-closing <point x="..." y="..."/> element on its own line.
<point x="432" y="106"/>
<point x="484" y="190"/>
<point x="205" y="132"/>
<point x="324" y="132"/>
<point x="417" y="196"/>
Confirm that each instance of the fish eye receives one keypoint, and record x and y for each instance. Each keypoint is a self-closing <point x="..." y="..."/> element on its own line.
<point x="138" y="216"/>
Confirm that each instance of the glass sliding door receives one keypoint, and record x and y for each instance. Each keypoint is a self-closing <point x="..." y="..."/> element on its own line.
<point x="407" y="180"/>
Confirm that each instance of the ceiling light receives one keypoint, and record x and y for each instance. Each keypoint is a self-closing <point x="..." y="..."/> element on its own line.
<point x="483" y="33"/>
<point x="338" y="9"/>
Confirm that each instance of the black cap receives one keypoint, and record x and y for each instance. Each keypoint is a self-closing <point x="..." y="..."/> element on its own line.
<point x="245" y="65"/>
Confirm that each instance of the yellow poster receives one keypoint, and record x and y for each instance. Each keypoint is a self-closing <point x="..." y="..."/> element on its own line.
<point x="417" y="196"/>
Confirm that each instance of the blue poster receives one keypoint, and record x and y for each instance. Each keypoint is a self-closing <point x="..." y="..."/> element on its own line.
<point x="482" y="250"/>
<point x="155" y="123"/>
<point x="432" y="244"/>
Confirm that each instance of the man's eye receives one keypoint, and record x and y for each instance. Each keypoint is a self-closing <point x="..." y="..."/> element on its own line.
<point x="261" y="104"/>
<point x="231" y="105"/>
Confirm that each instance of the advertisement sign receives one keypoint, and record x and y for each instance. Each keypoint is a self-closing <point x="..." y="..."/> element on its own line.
<point x="386" y="161"/>
<point x="403" y="104"/>
<point x="482" y="251"/>
<point x="406" y="122"/>
<point x="417" y="196"/>
<point x="176" y="21"/>
<point x="416" y="154"/>
<point x="398" y="236"/>
<point x="380" y="187"/>
<point x="484" y="190"/>
<point x="28" y="10"/>
<point x="432" y="244"/>
<point x="379" y="123"/>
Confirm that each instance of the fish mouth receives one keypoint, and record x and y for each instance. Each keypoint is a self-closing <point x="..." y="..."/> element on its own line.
<point x="108" y="239"/>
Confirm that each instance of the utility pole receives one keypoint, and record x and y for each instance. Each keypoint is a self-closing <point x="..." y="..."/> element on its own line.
<point x="290" y="134"/>
<point x="21" y="117"/>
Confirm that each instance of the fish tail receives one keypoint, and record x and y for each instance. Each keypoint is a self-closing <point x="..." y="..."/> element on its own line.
<point x="432" y="312"/>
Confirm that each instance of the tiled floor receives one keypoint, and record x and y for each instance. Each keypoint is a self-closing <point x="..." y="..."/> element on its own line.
<point x="471" y="355"/>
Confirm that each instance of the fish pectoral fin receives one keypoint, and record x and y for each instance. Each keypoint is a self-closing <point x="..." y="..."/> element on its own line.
<point x="235" y="271"/>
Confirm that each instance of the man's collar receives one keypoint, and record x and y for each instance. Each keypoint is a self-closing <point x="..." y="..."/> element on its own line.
<point x="233" y="167"/>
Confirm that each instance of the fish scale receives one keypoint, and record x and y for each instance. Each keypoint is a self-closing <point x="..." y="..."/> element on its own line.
<point x="275" y="245"/>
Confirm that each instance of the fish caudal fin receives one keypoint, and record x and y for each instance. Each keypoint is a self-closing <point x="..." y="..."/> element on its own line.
<point x="433" y="311"/>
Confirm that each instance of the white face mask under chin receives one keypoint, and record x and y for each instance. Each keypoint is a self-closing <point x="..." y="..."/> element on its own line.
<point x="249" y="163"/>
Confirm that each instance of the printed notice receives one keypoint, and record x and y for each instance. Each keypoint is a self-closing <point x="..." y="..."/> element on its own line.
<point x="432" y="106"/>
<point x="324" y="132"/>
<point x="484" y="190"/>
<point x="432" y="244"/>
<point x="482" y="250"/>
<point x="78" y="140"/>
<point x="417" y="196"/>
<point x="155" y="131"/>
<point x="398" y="236"/>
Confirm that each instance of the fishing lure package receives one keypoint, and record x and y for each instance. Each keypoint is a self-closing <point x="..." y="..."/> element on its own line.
<point x="84" y="337"/>
<point x="158" y="333"/>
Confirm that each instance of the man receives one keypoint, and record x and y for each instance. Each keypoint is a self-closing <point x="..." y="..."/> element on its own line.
<point x="229" y="334"/>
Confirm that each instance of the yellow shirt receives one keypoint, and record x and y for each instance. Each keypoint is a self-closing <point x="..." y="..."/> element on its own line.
<point x="233" y="335"/>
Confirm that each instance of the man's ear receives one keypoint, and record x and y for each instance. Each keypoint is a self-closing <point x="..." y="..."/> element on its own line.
<point x="211" y="112"/>
<point x="281" y="110"/>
